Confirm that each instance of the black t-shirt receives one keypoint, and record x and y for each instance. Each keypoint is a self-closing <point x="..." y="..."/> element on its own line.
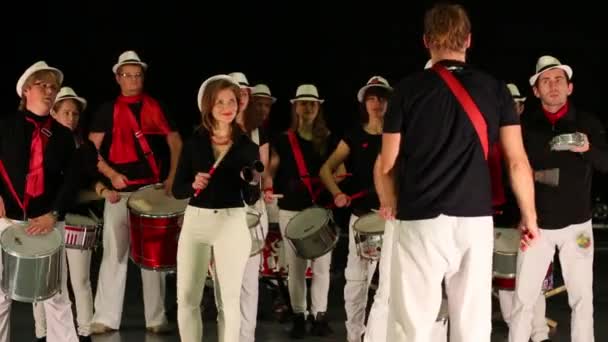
<point x="364" y="149"/>
<point x="262" y="136"/>
<point x="15" y="152"/>
<point x="226" y="188"/>
<point x="287" y="180"/>
<point x="441" y="168"/>
<point x="103" y="122"/>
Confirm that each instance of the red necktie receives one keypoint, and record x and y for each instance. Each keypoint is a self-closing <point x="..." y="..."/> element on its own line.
<point x="34" y="185"/>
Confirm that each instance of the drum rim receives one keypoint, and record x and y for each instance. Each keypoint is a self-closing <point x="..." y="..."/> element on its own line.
<point x="327" y="219"/>
<point x="377" y="232"/>
<point x="37" y="256"/>
<point x="12" y="295"/>
<point x="148" y="215"/>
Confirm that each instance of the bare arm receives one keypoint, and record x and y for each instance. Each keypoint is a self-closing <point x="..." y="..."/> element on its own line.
<point x="390" y="150"/>
<point x="332" y="164"/>
<point x="264" y="159"/>
<point x="386" y="189"/>
<point x="118" y="181"/>
<point x="175" y="148"/>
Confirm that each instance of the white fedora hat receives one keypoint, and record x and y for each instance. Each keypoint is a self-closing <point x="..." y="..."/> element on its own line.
<point x="38" y="66"/>
<point x="515" y="93"/>
<point x="374" y="81"/>
<point x="128" y="57"/>
<point x="545" y="63"/>
<point x="240" y="79"/>
<point x="307" y="92"/>
<point x="67" y="93"/>
<point x="262" y="90"/>
<point x="201" y="90"/>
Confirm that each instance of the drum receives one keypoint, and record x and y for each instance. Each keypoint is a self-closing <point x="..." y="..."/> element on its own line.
<point x="312" y="232"/>
<point x="81" y="232"/>
<point x="32" y="264"/>
<point x="564" y="142"/>
<point x="506" y="245"/>
<point x="368" y="231"/>
<point x="256" y="230"/>
<point x="155" y="221"/>
<point x="273" y="258"/>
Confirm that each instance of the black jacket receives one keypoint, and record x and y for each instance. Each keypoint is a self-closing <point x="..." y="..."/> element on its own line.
<point x="569" y="202"/>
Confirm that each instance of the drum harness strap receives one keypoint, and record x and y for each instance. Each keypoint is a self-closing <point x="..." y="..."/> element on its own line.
<point x="301" y="164"/>
<point x="468" y="105"/>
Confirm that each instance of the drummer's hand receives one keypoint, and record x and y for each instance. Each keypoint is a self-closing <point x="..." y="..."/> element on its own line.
<point x="268" y="196"/>
<point x="2" y="211"/>
<point x="584" y="148"/>
<point x="119" y="181"/>
<point x="112" y="196"/>
<point x="41" y="224"/>
<point x="387" y="212"/>
<point x="341" y="200"/>
<point x="200" y="181"/>
<point x="168" y="185"/>
<point x="529" y="233"/>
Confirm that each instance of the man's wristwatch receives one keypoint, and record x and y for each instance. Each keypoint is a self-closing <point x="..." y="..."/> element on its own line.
<point x="55" y="214"/>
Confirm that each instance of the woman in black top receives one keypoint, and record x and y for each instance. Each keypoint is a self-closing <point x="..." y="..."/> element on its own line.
<point x="359" y="148"/>
<point x="314" y="140"/>
<point x="210" y="172"/>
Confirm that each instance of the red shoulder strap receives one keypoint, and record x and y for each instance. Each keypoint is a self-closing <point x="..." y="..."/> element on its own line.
<point x="468" y="104"/>
<point x="143" y="143"/>
<point x="301" y="164"/>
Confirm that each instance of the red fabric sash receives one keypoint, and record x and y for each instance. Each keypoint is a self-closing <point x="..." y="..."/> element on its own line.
<point x="126" y="128"/>
<point x="467" y="104"/>
<point x="553" y="117"/>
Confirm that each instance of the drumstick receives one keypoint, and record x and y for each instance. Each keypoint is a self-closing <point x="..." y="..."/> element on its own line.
<point x="212" y="170"/>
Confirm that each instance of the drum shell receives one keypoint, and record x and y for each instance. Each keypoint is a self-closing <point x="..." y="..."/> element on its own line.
<point x="154" y="241"/>
<point x="317" y="245"/>
<point x="31" y="279"/>
<point x="505" y="264"/>
<point x="83" y="237"/>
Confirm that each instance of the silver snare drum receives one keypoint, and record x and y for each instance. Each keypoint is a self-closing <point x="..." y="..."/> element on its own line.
<point x="32" y="264"/>
<point x="368" y="231"/>
<point x="506" y="244"/>
<point x="312" y="232"/>
<point x="81" y="232"/>
<point x="256" y="230"/>
<point x="564" y="142"/>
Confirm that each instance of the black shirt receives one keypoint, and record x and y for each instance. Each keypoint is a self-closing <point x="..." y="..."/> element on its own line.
<point x="364" y="149"/>
<point x="103" y="122"/>
<point x="287" y="181"/>
<point x="15" y="142"/>
<point x="226" y="188"/>
<point x="569" y="202"/>
<point x="441" y="168"/>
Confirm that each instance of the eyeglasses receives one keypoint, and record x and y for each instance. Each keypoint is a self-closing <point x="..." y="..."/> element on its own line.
<point x="131" y="76"/>
<point x="46" y="85"/>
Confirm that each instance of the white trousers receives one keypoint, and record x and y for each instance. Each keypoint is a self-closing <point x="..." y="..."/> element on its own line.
<point x="425" y="252"/>
<point x="57" y="309"/>
<point x="251" y="281"/>
<point x="575" y="244"/>
<point x="540" y="329"/>
<point x="110" y="294"/>
<point x="220" y="235"/>
<point x="358" y="275"/>
<point x="297" y="274"/>
<point x="79" y="270"/>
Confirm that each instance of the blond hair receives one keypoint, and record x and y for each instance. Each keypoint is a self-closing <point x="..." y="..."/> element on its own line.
<point x="41" y="75"/>
<point x="447" y="27"/>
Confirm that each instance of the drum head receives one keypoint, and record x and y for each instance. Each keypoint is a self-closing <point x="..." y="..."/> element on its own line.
<point x="152" y="201"/>
<point x="506" y="240"/>
<point x="79" y="220"/>
<point x="370" y="223"/>
<point x="306" y="223"/>
<point x="16" y="241"/>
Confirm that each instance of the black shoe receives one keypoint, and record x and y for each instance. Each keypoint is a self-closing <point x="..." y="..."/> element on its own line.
<point x="84" y="338"/>
<point x="41" y="339"/>
<point x="299" y="326"/>
<point x="320" y="327"/>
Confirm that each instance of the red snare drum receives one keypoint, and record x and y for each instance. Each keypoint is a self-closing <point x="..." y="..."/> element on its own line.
<point x="273" y="258"/>
<point x="155" y="221"/>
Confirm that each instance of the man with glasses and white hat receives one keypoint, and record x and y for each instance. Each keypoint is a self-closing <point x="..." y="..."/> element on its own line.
<point x="565" y="145"/>
<point x="36" y="152"/>
<point x="129" y="132"/>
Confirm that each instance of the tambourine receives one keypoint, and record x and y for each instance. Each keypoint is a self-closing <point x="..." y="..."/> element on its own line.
<point x="565" y="142"/>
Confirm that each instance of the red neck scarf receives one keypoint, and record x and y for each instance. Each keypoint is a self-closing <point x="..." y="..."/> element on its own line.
<point x="152" y="121"/>
<point x="495" y="165"/>
<point x="34" y="185"/>
<point x="553" y="117"/>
